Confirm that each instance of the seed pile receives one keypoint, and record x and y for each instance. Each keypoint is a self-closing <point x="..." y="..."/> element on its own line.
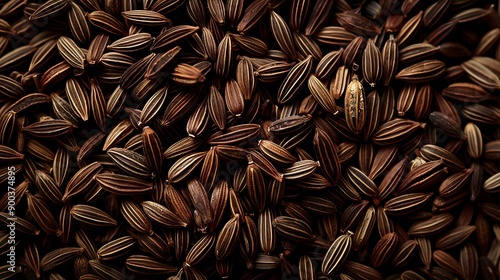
<point x="193" y="139"/>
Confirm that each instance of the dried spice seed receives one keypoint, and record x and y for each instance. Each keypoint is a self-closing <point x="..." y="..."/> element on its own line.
<point x="179" y="137"/>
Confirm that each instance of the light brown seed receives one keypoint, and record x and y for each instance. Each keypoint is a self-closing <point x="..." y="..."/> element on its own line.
<point x="364" y="228"/>
<point x="42" y="215"/>
<point x="410" y="29"/>
<point x="481" y="74"/>
<point x="201" y="249"/>
<point x="433" y="152"/>
<point x="107" y="22"/>
<point x="424" y="71"/>
<point x="328" y="64"/>
<point x="49" y="9"/>
<point x="306" y="46"/>
<point x="224" y="57"/>
<point x="234" y="98"/>
<point x="245" y="78"/>
<point x="276" y="153"/>
<point x="406" y="203"/>
<point x="372" y="63"/>
<point x="145" y="17"/>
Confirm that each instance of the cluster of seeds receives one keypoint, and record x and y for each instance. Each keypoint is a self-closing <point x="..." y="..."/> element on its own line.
<point x="257" y="139"/>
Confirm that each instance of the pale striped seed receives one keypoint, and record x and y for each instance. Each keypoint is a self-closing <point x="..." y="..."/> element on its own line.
<point x="433" y="152"/>
<point x="146" y="18"/>
<point x="364" y="228"/>
<point x="454" y="184"/>
<point x="116" y="248"/>
<point x="105" y="271"/>
<point x="337" y="253"/>
<point x="300" y="169"/>
<point x="92" y="216"/>
<point x="294" y="80"/>
<point x="394" y="131"/>
<point x="481" y="74"/>
<point x="328" y="64"/>
<point x="235" y="134"/>
<point x="339" y="84"/>
<point x="282" y="34"/>
<point x="360" y="271"/>
<point x="71" y="53"/>
<point x="58" y="257"/>
<point x="321" y="95"/>
<point x="228" y="237"/>
<point x="406" y="203"/>
<point x="78" y="24"/>
<point x="200" y="250"/>
<point x="123" y="184"/>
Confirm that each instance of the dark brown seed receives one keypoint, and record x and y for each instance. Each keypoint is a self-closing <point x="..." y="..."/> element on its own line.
<point x="293" y="229"/>
<point x="384" y="249"/>
<point x="337" y="253"/>
<point x="123" y="184"/>
<point x="58" y="257"/>
<point x="358" y="24"/>
<point x="42" y="215"/>
<point x="282" y="34"/>
<point x="228" y="237"/>
<point x="251" y="16"/>
<point x="295" y="80"/>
